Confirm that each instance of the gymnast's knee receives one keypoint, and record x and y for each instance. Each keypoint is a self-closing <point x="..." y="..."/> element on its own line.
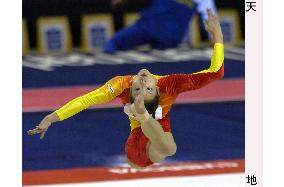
<point x="169" y="149"/>
<point x="157" y="155"/>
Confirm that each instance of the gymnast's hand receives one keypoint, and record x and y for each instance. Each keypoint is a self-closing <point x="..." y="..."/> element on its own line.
<point x="44" y="125"/>
<point x="138" y="109"/>
<point x="212" y="25"/>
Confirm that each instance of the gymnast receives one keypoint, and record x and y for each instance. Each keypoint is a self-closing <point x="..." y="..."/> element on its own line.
<point x="147" y="100"/>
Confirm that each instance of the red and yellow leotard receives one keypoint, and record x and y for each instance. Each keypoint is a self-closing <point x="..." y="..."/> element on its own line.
<point x="170" y="86"/>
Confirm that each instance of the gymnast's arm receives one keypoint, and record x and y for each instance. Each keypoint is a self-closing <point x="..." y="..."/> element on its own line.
<point x="185" y="82"/>
<point x="106" y="93"/>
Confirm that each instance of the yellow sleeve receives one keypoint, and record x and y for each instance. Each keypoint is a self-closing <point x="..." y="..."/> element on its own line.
<point x="217" y="59"/>
<point x="109" y="91"/>
<point x="184" y="82"/>
<point x="159" y="76"/>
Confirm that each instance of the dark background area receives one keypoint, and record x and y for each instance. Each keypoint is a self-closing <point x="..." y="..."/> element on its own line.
<point x="73" y="9"/>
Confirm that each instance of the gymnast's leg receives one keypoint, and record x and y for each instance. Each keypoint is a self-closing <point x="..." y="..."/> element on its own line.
<point x="161" y="144"/>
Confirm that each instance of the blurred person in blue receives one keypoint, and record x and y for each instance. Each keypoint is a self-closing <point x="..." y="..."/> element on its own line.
<point x="162" y="24"/>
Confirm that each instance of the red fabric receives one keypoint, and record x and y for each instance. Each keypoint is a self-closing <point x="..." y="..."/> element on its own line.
<point x="135" y="148"/>
<point x="171" y="86"/>
<point x="165" y="123"/>
<point x="177" y="83"/>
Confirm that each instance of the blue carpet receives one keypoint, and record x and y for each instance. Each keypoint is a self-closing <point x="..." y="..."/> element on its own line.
<point x="96" y="137"/>
<point x="98" y="73"/>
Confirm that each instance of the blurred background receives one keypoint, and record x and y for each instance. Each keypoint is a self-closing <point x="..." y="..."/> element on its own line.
<point x="71" y="47"/>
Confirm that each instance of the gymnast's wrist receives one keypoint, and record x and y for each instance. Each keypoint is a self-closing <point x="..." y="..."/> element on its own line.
<point x="144" y="117"/>
<point x="52" y="118"/>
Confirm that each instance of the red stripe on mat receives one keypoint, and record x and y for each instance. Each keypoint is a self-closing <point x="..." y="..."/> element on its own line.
<point x="49" y="99"/>
<point x="125" y="173"/>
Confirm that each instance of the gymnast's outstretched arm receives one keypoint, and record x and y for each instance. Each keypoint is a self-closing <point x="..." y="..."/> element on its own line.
<point x="184" y="82"/>
<point x="105" y="93"/>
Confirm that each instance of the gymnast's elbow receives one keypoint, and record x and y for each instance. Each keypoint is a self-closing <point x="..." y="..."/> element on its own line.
<point x="219" y="74"/>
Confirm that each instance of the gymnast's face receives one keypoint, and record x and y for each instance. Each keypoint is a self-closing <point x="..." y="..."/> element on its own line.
<point x="146" y="84"/>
